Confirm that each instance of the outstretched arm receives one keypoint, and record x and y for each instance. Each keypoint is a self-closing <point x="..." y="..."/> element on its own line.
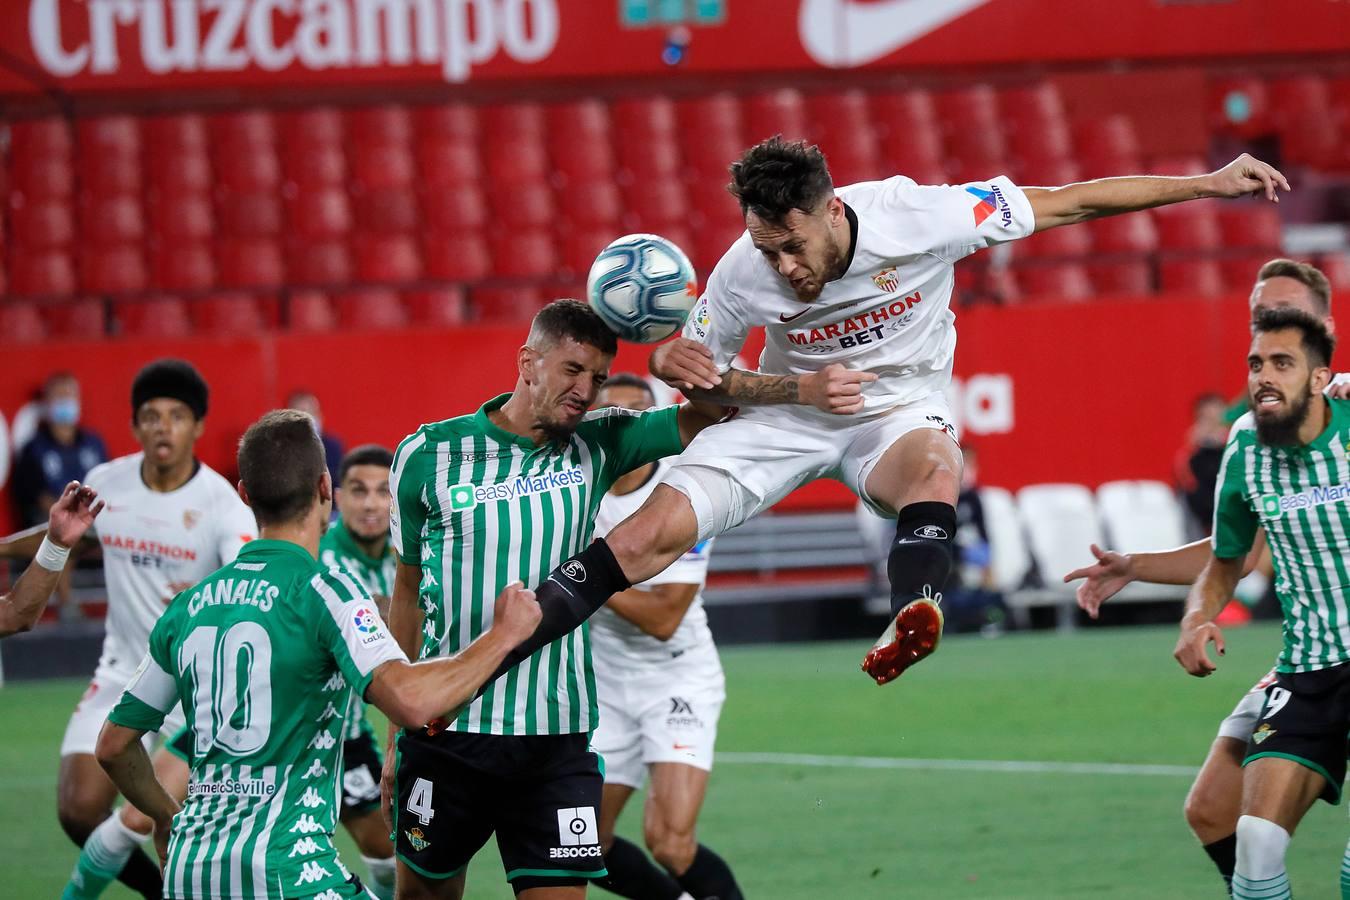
<point x="1112" y="196"/>
<point x="71" y="515"/>
<point x="1211" y="592"/>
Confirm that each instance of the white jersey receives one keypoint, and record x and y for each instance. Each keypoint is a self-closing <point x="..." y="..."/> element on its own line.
<point x="618" y="641"/>
<point x="156" y="543"/>
<point x="891" y="311"/>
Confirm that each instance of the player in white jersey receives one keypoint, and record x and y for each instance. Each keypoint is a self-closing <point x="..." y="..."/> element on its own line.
<point x="169" y="521"/>
<point x="853" y="290"/>
<point x="661" y="690"/>
<point x="1213" y="803"/>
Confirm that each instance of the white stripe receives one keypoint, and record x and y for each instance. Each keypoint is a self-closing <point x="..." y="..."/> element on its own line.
<point x="246" y="828"/>
<point x="1329" y="516"/>
<point x="261" y="848"/>
<point x="1013" y="766"/>
<point x="186" y="825"/>
<point x="224" y="831"/>
<point x="499" y="711"/>
<point x="405" y="453"/>
<point x="355" y="590"/>
<point x="463" y="542"/>
<point x="207" y="825"/>
<point x="492" y="516"/>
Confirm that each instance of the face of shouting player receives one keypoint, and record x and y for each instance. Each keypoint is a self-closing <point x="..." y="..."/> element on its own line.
<point x="1281" y="385"/>
<point x="808" y="249"/>
<point x="363" y="501"/>
<point x="166" y="430"/>
<point x="563" y="381"/>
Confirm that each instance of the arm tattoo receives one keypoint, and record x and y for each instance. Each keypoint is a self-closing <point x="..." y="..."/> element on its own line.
<point x="741" y="388"/>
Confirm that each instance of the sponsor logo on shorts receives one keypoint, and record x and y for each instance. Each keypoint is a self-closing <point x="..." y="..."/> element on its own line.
<point x="574" y="570"/>
<point x="1260" y="734"/>
<point x="466" y="496"/>
<point x="932" y="532"/>
<point x="682" y="714"/>
<point x="417" y="839"/>
<point x="577" y="835"/>
<point x="1274" y="506"/>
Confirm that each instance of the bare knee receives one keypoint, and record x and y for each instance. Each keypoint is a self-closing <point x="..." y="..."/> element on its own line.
<point x="80" y="812"/>
<point x="671" y="847"/>
<point x="136" y="820"/>
<point x="1204" y="815"/>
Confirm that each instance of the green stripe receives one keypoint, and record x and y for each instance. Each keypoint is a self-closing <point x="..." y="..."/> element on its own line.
<point x="1306" y="763"/>
<point x="426" y="873"/>
<point x="556" y="873"/>
<point x="1334" y="607"/>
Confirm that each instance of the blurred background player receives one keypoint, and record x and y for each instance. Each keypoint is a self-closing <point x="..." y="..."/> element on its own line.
<point x="853" y="290"/>
<point x="282" y="637"/>
<point x="661" y="692"/>
<point x="59" y="452"/>
<point x="70" y="517"/>
<point x="358" y="543"/>
<point x="308" y="402"/>
<point x="1214" y="800"/>
<point x="1285" y="472"/>
<point x="168" y="521"/>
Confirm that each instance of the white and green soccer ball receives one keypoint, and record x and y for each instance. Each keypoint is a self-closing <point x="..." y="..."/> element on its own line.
<point x="643" y="286"/>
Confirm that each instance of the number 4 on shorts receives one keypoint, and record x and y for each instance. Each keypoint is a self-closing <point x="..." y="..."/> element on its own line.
<point x="419" y="801"/>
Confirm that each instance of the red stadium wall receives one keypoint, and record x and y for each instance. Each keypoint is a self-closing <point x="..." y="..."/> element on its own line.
<point x="1052" y="392"/>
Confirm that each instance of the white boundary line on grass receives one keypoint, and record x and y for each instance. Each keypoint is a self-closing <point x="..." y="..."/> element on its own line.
<point x="955" y="765"/>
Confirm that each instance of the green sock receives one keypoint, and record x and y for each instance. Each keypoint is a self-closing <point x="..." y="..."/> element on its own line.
<point x="101" y="858"/>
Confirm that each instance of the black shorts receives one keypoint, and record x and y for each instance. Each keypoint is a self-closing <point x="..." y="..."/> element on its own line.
<point x="1305" y="719"/>
<point x="541" y="795"/>
<point x="361" y="767"/>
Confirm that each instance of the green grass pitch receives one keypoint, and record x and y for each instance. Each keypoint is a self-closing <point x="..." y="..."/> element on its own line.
<point x="845" y="831"/>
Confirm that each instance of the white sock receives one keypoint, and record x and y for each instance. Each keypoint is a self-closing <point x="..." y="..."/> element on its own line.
<point x="381" y="876"/>
<point x="1260" y="873"/>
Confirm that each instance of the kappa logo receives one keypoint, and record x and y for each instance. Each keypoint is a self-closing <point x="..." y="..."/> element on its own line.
<point x="577" y="834"/>
<point x="417" y="839"/>
<point x="931" y="532"/>
<point x="887" y="280"/>
<point x="574" y="570"/>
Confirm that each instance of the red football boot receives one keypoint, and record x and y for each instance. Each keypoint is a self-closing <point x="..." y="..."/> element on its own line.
<point x="912" y="636"/>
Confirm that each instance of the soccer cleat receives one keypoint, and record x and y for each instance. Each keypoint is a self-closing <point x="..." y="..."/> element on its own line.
<point x="911" y="636"/>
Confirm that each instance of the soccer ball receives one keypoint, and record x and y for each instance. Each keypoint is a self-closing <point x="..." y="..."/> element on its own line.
<point x="643" y="286"/>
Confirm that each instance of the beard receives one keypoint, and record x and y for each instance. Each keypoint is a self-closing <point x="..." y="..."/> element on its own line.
<point x="1282" y="430"/>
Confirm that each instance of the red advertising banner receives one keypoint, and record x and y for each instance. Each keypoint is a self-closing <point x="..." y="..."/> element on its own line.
<point x="1085" y="392"/>
<point x="92" y="46"/>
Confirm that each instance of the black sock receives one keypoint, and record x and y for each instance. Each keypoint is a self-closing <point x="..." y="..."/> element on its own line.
<point x="1224" y="853"/>
<point x="568" y="597"/>
<point x="709" y="876"/>
<point x="921" y="555"/>
<point x="632" y="874"/>
<point x="142" y="875"/>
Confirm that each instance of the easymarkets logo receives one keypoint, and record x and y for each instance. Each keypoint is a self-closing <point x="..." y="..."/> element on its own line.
<point x="466" y="496"/>
<point x="1273" y="506"/>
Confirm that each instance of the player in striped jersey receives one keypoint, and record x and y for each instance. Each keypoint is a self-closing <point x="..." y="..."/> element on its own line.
<point x="265" y="654"/>
<point x="504" y="494"/>
<point x="1285" y="470"/>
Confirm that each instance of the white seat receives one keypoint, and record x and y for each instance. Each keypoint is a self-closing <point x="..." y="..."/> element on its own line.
<point x="1010" y="559"/>
<point x="1141" y="516"/>
<point x="1061" y="523"/>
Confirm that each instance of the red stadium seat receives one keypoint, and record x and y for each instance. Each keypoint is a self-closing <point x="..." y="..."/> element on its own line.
<point x="920" y="157"/>
<point x="446" y="162"/>
<point x="654" y="159"/>
<point x="113" y="269"/>
<point x="320" y="213"/>
<point x="591" y="203"/>
<point x="454" y="208"/>
<point x="163" y="317"/>
<point x="1239" y="106"/>
<point x="42" y="224"/>
<point x="227" y="315"/>
<point x="709" y="198"/>
<point x="109" y="136"/>
<point x="641" y="117"/>
<point x="506" y="305"/>
<point x="578" y="121"/>
<point x="32" y="139"/>
<point x="302" y="130"/>
<point x="1250" y="225"/>
<point x="1051" y="142"/>
<point x="967" y="108"/>
<point x="250" y="263"/>
<point x="1191" y="276"/>
<point x="1055" y="281"/>
<point x="1070" y="242"/>
<point x="108" y="175"/>
<point x="317" y="167"/>
<point x="1107" y="145"/>
<point x="380" y="125"/>
<point x="523" y="160"/>
<point x="41" y="273"/>
<point x="183" y="266"/>
<point x="370" y="309"/>
<point x="1336" y="266"/>
<point x="456" y="255"/>
<point x="854" y="159"/>
<point x="436" y="307"/>
<point x="81" y="320"/>
<point x="712" y="117"/>
<point x="524" y="253"/>
<point x="310" y="311"/>
<point x="710" y="244"/>
<point x="1186" y="227"/>
<point x="185" y="173"/>
<point x="838" y="115"/>
<point x="523" y="205"/>
<point x="20" y="323"/>
<point x="1133" y="233"/>
<point x="657" y="203"/>
<point x="386" y="210"/>
<point x="232" y="132"/>
<point x="249" y="169"/>
<point x="116" y="220"/>
<point x="505" y="123"/>
<point x="323" y="262"/>
<point x="387" y="258"/>
<point x="709" y="156"/>
<point x="175" y="134"/>
<point x="454" y="121"/>
<point x="582" y="160"/>
<point x="1177" y="165"/>
<point x="901" y="113"/>
<point x="256" y="214"/>
<point x="1294" y="96"/>
<point x="580" y="246"/>
<point x="44" y="178"/>
<point x="382" y="165"/>
<point x="1049" y="173"/>
<point x="1131" y="277"/>
<point x="774" y="112"/>
<point x="1239" y="271"/>
<point x="1035" y="104"/>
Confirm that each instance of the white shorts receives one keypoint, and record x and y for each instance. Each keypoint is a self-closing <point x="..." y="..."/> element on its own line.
<point x="665" y="712"/>
<point x="92" y="711"/>
<point x="1241" y="722"/>
<point x="770" y="451"/>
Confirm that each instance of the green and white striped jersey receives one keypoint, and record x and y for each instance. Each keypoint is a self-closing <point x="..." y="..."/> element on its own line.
<point x="1301" y="497"/>
<point x="339" y="548"/>
<point x="477" y="508"/>
<point x="264" y="654"/>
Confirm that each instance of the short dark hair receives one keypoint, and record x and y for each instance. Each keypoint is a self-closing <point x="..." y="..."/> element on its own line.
<point x="172" y="378"/>
<point x="628" y="379"/>
<point x="571" y="319"/>
<point x="280" y="463"/>
<point x="1307" y="275"/>
<point x="775" y="176"/>
<point x="365" y="455"/>
<point x="1317" y="341"/>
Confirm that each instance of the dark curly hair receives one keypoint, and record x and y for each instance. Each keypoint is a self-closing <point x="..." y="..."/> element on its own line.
<point x="1317" y="342"/>
<point x="776" y="176"/>
<point x="574" y="319"/>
